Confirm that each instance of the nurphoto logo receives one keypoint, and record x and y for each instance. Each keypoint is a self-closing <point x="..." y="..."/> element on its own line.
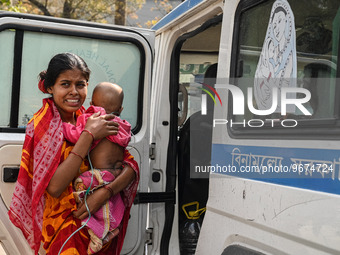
<point x="281" y="100"/>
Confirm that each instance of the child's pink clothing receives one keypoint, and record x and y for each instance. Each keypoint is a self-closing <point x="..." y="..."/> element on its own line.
<point x="109" y="216"/>
<point x="72" y="133"/>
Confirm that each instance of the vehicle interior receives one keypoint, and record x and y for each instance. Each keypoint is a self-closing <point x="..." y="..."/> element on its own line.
<point x="197" y="72"/>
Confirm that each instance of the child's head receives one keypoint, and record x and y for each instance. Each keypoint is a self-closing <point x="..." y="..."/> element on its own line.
<point x="109" y="96"/>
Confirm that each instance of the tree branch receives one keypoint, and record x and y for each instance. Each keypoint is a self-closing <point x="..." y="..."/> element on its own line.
<point x="41" y="7"/>
<point x="120" y="12"/>
<point x="77" y="5"/>
<point x="67" y="10"/>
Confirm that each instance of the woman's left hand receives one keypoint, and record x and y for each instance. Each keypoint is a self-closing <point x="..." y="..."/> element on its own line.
<point x="101" y="126"/>
<point x="94" y="202"/>
<point x="102" y="195"/>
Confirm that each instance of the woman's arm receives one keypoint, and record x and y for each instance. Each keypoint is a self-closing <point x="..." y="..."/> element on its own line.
<point x="100" y="127"/>
<point x="100" y="196"/>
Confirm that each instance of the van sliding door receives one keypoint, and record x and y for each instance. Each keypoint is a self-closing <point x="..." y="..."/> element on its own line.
<point x="114" y="54"/>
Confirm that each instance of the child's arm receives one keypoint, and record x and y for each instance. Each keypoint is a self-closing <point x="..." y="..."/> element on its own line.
<point x="71" y="132"/>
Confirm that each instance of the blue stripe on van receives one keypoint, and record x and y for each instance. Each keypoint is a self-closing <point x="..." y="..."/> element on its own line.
<point x="313" y="169"/>
<point x="178" y="11"/>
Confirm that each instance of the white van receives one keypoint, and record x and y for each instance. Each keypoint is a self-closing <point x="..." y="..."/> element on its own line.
<point x="262" y="184"/>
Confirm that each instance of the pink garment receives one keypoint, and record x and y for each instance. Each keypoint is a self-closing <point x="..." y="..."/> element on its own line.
<point x="72" y="133"/>
<point x="109" y="216"/>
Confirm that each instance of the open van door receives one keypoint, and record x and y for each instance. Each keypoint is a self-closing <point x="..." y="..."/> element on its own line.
<point x="187" y="45"/>
<point x="116" y="54"/>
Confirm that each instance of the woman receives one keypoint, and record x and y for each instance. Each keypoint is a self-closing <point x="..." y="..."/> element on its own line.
<point x="43" y="205"/>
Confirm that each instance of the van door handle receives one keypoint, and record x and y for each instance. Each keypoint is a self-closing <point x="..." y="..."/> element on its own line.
<point x="155" y="197"/>
<point x="10" y="174"/>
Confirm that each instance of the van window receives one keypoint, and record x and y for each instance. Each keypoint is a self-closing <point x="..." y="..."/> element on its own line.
<point x="316" y="29"/>
<point x="6" y="67"/>
<point x="198" y="53"/>
<point x="192" y="70"/>
<point x="117" y="62"/>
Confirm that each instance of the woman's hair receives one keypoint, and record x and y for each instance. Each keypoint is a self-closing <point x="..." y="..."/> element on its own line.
<point x="61" y="63"/>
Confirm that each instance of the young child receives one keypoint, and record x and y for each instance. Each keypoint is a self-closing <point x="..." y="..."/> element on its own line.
<point x="106" y="156"/>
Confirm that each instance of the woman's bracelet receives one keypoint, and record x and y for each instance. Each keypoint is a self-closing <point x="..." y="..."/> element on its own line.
<point x="85" y="130"/>
<point x="109" y="189"/>
<point x="82" y="159"/>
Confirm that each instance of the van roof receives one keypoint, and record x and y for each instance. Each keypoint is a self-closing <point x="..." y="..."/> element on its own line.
<point x="178" y="11"/>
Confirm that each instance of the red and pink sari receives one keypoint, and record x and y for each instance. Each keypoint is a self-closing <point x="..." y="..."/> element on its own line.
<point x="41" y="217"/>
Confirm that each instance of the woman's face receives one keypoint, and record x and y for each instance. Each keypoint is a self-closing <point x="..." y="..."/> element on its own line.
<point x="69" y="93"/>
<point x="279" y="25"/>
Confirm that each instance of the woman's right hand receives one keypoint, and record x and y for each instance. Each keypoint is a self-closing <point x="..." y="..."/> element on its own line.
<point x="101" y="125"/>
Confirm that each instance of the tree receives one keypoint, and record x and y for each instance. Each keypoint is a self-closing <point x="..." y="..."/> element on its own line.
<point x="120" y="12"/>
<point x="163" y="7"/>
<point x="104" y="11"/>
